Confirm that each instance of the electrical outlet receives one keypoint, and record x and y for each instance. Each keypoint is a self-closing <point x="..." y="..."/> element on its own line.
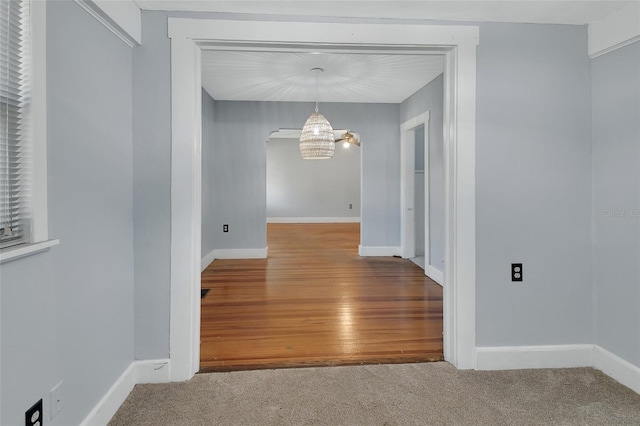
<point x="225" y="228"/>
<point x="55" y="399"/>
<point x="33" y="416"/>
<point x="516" y="272"/>
<point x="350" y="206"/>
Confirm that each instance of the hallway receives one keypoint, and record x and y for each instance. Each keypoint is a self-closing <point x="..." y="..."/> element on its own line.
<point x="316" y="302"/>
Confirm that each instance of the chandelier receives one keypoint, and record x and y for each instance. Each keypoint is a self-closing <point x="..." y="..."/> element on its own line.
<point x="317" y="141"/>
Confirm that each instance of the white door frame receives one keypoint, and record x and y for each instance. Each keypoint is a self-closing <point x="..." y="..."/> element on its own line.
<point x="459" y="46"/>
<point x="407" y="184"/>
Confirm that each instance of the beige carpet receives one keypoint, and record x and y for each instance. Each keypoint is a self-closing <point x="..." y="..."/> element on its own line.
<point x="402" y="394"/>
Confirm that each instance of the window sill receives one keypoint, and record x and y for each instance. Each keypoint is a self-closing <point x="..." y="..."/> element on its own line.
<point x="16" y="252"/>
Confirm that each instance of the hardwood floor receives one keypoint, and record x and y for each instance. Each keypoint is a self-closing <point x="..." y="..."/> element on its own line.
<point x="314" y="301"/>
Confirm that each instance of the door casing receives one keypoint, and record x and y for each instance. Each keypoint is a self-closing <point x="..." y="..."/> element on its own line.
<point x="457" y="43"/>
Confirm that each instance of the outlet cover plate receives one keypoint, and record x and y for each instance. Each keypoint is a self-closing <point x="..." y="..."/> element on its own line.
<point x="33" y="416"/>
<point x="516" y="272"/>
<point x="55" y="398"/>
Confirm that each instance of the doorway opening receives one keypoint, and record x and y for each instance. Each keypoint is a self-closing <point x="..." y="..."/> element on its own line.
<point x="410" y="164"/>
<point x="423" y="195"/>
<point x="458" y="43"/>
<point x="312" y="191"/>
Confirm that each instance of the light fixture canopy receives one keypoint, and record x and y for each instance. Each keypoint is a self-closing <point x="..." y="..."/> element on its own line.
<point x="317" y="141"/>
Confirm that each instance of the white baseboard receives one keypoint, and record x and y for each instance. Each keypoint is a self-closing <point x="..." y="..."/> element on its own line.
<point x="617" y="368"/>
<point x="148" y="371"/>
<point x="434" y="274"/>
<point x="560" y="356"/>
<point x="113" y="399"/>
<point x="313" y="220"/>
<point x="206" y="261"/>
<point x="232" y="254"/>
<point x="488" y="358"/>
<point x="240" y="253"/>
<point x="525" y="357"/>
<point x="153" y="371"/>
<point x="379" y="251"/>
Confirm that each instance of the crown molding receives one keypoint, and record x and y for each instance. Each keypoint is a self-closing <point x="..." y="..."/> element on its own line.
<point x="614" y="31"/>
<point x="122" y="18"/>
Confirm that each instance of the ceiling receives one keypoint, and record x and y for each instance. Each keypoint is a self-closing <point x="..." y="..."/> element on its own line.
<point x="287" y="76"/>
<point x="576" y="12"/>
<point x="349" y="77"/>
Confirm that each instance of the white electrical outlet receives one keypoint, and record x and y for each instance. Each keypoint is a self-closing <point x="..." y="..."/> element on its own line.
<point x="55" y="399"/>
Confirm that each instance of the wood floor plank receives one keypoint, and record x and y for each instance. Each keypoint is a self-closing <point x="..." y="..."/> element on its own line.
<point x="314" y="301"/>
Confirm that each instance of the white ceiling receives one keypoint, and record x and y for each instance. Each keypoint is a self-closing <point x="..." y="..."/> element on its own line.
<point x="577" y="12"/>
<point x="287" y="76"/>
<point x="275" y="76"/>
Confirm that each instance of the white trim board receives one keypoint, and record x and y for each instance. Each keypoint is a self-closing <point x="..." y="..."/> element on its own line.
<point x="17" y="252"/>
<point x="232" y="254"/>
<point x="149" y="371"/>
<point x="457" y="43"/>
<point x="313" y="220"/>
<point x="373" y="251"/>
<point x="207" y="260"/>
<point x="617" y="368"/>
<point x="559" y="356"/>
<point x="257" y="253"/>
<point x="525" y="357"/>
<point x="407" y="184"/>
<point x="434" y="274"/>
<point x="39" y="196"/>
<point x="123" y="18"/>
<point x="316" y="33"/>
<point x="152" y="371"/>
<point x="615" y="30"/>
<point x="186" y="208"/>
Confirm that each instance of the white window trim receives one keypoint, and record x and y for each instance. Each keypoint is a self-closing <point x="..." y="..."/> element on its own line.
<point x="40" y="224"/>
<point x="22" y="250"/>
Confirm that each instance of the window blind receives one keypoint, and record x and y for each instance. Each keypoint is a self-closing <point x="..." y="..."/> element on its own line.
<point x="15" y="188"/>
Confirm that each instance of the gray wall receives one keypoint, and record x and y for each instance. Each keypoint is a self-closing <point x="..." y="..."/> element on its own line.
<point x="533" y="179"/>
<point x="306" y="188"/>
<point x="534" y="198"/>
<point x="208" y="106"/>
<point x="533" y="191"/>
<point x="615" y="90"/>
<point x="152" y="187"/>
<point x="239" y="179"/>
<point x="430" y="98"/>
<point x="67" y="314"/>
